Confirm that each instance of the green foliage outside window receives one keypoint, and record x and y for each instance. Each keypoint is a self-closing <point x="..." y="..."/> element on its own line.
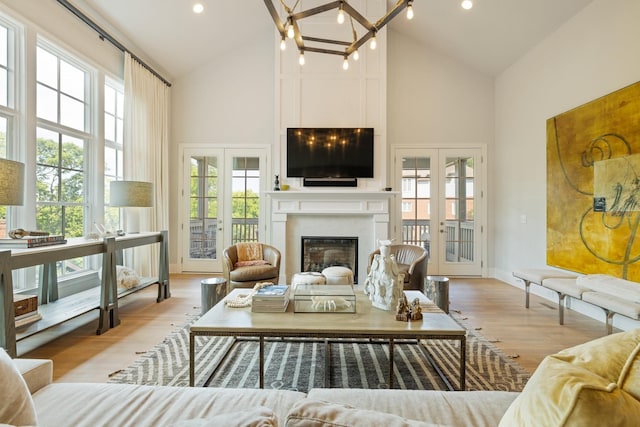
<point x="60" y="185"/>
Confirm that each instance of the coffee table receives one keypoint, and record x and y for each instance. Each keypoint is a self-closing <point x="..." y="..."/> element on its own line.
<point x="367" y="322"/>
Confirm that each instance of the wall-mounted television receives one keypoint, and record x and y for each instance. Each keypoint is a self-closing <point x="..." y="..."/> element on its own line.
<point x="330" y="152"/>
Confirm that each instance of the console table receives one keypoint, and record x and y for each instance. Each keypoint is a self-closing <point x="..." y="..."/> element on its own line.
<point x="104" y="298"/>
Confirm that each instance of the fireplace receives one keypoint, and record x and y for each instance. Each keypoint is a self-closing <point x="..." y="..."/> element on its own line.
<point x="321" y="252"/>
<point x="363" y="214"/>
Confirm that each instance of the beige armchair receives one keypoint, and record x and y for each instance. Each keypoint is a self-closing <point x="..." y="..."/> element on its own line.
<point x="246" y="274"/>
<point x="412" y="262"/>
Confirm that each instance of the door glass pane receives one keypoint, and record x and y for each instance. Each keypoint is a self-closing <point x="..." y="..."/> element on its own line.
<point x="245" y="199"/>
<point x="459" y="223"/>
<point x="416" y="199"/>
<point x="203" y="207"/>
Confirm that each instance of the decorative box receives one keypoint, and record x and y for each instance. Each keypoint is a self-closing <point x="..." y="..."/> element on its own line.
<point x="23" y="304"/>
<point x="310" y="298"/>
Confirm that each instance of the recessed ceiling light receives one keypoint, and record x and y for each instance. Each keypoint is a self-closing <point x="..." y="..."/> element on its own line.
<point x="198" y="8"/>
<point x="467" y="4"/>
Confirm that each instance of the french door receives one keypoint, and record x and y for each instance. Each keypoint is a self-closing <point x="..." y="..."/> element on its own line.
<point x="220" y="203"/>
<point x="442" y="208"/>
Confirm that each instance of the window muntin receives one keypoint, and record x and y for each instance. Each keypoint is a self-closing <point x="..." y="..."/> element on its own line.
<point x="113" y="147"/>
<point x="61" y="91"/>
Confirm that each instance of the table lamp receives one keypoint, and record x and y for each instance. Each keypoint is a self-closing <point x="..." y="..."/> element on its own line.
<point x="11" y="183"/>
<point x="131" y="194"/>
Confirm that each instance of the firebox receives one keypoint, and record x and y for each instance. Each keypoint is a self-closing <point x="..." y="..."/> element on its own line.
<point x="320" y="252"/>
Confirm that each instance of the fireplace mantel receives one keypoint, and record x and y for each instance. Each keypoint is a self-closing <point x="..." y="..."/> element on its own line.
<point x="365" y="214"/>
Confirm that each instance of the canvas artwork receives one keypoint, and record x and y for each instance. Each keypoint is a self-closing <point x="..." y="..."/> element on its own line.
<point x="593" y="186"/>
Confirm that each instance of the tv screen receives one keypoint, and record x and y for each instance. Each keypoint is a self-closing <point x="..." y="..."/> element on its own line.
<point x="330" y="152"/>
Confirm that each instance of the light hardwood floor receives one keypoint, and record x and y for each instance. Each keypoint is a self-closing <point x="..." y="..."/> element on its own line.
<point x="489" y="307"/>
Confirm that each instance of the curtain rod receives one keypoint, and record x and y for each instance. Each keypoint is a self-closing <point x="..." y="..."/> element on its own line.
<point x="106" y="36"/>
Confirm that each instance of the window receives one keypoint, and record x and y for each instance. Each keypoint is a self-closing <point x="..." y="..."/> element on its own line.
<point x="245" y="199"/>
<point x="8" y="35"/>
<point x="113" y="147"/>
<point x="416" y="200"/>
<point x="61" y="144"/>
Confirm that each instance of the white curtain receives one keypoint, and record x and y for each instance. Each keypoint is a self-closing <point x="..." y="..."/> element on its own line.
<point x="146" y="152"/>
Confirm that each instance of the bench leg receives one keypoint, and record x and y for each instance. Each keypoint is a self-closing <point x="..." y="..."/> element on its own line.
<point x="527" y="284"/>
<point x="609" y="320"/>
<point x="561" y="301"/>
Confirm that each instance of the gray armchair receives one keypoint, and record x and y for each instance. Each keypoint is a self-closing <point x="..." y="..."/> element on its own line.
<point x="412" y="262"/>
<point x="246" y="276"/>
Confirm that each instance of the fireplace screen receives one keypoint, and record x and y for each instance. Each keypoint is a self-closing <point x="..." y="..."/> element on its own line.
<point x="319" y="253"/>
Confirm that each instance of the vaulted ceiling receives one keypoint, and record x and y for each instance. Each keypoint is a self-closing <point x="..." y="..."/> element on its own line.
<point x="489" y="37"/>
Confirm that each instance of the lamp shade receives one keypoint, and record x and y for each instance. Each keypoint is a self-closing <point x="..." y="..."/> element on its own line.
<point x="11" y="182"/>
<point x="131" y="193"/>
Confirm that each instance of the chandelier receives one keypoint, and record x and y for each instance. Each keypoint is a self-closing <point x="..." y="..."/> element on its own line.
<point x="289" y="27"/>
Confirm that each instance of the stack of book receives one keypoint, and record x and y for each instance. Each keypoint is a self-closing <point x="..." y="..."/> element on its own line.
<point x="32" y="242"/>
<point x="271" y="298"/>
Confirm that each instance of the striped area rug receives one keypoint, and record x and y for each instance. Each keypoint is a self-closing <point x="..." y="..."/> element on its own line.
<point x="300" y="365"/>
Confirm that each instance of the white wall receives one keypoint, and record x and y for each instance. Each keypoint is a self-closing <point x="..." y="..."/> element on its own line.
<point x="593" y="54"/>
<point x="432" y="99"/>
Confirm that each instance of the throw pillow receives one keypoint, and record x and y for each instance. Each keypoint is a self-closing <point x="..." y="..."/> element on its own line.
<point x="249" y="251"/>
<point x="317" y="413"/>
<point x="16" y="405"/>
<point x="259" y="416"/>
<point x="589" y="384"/>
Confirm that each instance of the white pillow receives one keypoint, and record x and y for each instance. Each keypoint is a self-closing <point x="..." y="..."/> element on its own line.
<point x="16" y="405"/>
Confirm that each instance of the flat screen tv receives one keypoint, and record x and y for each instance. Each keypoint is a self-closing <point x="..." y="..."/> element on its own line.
<point x="330" y="152"/>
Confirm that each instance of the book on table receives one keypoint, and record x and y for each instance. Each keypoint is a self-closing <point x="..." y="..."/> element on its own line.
<point x="32" y="242"/>
<point x="271" y="298"/>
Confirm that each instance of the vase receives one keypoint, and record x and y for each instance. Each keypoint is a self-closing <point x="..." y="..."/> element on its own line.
<point x="384" y="284"/>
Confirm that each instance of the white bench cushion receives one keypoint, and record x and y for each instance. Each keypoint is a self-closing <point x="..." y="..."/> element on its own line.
<point x="611" y="302"/>
<point x="621" y="288"/>
<point x="537" y="275"/>
<point x="565" y="286"/>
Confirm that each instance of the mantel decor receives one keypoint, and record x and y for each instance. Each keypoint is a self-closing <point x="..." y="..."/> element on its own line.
<point x="290" y="26"/>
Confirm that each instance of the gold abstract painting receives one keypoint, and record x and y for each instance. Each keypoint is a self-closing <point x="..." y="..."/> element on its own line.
<point x="593" y="186"/>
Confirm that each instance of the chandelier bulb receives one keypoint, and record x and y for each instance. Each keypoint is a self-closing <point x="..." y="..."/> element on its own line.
<point x="290" y="30"/>
<point x="340" y="15"/>
<point x="467" y="4"/>
<point x="345" y="63"/>
<point x="301" y="58"/>
<point x="374" y="43"/>
<point x="410" y="11"/>
<point x="356" y="55"/>
<point x="283" y="44"/>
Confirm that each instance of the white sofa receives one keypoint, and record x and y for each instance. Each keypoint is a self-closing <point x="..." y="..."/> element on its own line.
<point x="597" y="383"/>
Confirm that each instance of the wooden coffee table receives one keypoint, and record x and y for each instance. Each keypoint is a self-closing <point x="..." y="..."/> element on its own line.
<point x="367" y="322"/>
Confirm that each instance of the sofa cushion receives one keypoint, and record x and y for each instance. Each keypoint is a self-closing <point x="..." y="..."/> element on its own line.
<point x="82" y="404"/>
<point x="254" y="272"/>
<point x="16" y="405"/>
<point x="317" y="413"/>
<point x="462" y="408"/>
<point x="589" y="384"/>
<point x="251" y="417"/>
